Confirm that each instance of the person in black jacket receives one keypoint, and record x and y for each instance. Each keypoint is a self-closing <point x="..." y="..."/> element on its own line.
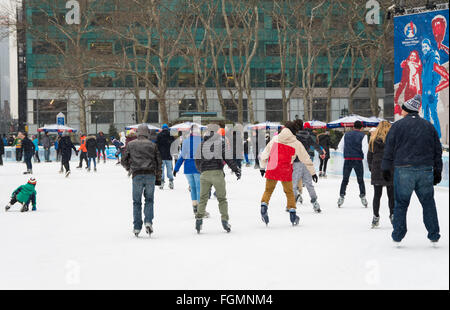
<point x="28" y="151"/>
<point x="164" y="140"/>
<point x="91" y="146"/>
<point x="324" y="141"/>
<point x="374" y="159"/>
<point x="209" y="161"/>
<point x="308" y="139"/>
<point x="66" y="146"/>
<point x="2" y="152"/>
<point x="414" y="151"/>
<point x="102" y="143"/>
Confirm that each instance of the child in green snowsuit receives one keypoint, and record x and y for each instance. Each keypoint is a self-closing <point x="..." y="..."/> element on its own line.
<point x="24" y="194"/>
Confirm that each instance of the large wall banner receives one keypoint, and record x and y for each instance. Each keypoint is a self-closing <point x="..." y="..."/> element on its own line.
<point x="421" y="65"/>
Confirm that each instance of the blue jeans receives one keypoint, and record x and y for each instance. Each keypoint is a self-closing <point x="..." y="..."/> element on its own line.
<point x="47" y="154"/>
<point x="169" y="166"/>
<point x="194" y="183"/>
<point x="349" y="165"/>
<point x="143" y="184"/>
<point x="246" y="158"/>
<point x="27" y="158"/>
<point x="406" y="181"/>
<point x="89" y="162"/>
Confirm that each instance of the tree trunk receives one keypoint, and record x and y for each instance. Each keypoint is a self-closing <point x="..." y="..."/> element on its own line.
<point x="163" y="115"/>
<point x="329" y="90"/>
<point x="82" y="113"/>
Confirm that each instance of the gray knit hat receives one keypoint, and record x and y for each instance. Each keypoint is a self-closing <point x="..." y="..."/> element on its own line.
<point x="413" y="105"/>
<point x="143" y="131"/>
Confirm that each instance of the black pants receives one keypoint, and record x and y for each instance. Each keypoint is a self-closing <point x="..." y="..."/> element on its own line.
<point x="349" y="165"/>
<point x="65" y="164"/>
<point x="323" y="164"/>
<point x="377" y="197"/>
<point x="36" y="156"/>
<point x="83" y="156"/>
<point x="1" y="159"/>
<point x="18" y="154"/>
<point x="100" y="152"/>
<point x="28" y="157"/>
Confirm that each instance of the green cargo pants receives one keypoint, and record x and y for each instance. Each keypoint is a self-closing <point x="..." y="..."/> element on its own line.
<point x="208" y="179"/>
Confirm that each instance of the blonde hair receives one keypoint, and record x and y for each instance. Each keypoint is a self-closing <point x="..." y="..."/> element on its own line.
<point x="380" y="133"/>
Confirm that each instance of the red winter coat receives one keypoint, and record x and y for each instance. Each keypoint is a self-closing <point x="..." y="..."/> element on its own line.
<point x="279" y="155"/>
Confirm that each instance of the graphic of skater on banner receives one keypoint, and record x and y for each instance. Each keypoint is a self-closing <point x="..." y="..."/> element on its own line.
<point x="421" y="65"/>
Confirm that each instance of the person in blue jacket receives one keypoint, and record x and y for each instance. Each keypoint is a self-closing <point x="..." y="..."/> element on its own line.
<point x="188" y="151"/>
<point x="36" y="149"/>
<point x="430" y="80"/>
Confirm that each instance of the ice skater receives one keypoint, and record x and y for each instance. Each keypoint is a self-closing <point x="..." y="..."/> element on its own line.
<point x="25" y="195"/>
<point x="83" y="151"/>
<point x="277" y="166"/>
<point x="141" y="158"/>
<point x="66" y="146"/>
<point x="102" y="144"/>
<point x="119" y="146"/>
<point x="209" y="161"/>
<point x="91" y="147"/>
<point x="164" y="140"/>
<point x="353" y="145"/>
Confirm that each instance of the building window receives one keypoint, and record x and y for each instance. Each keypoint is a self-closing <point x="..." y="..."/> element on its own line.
<point x="321" y="80"/>
<point x="187" y="105"/>
<point x="362" y="107"/>
<point x="45" y="48"/>
<point x="273" y="80"/>
<point x="232" y="111"/>
<point x="186" y="80"/>
<point x="101" y="81"/>
<point x="273" y="50"/>
<point x="274" y="110"/>
<point x="45" y="111"/>
<point x="153" y="110"/>
<point x="101" y="48"/>
<point x="102" y="111"/>
<point x="319" y="110"/>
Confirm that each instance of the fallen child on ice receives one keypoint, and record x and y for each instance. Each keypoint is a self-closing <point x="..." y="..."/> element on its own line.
<point x="24" y="194"/>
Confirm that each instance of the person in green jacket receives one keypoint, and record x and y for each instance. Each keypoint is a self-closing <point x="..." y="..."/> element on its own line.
<point x="24" y="194"/>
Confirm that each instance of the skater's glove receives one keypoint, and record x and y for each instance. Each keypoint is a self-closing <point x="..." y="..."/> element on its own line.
<point x="238" y="174"/>
<point x="437" y="177"/>
<point x="315" y="178"/>
<point x="158" y="182"/>
<point x="263" y="172"/>
<point x="76" y="152"/>
<point x="387" y="175"/>
<point x="174" y="173"/>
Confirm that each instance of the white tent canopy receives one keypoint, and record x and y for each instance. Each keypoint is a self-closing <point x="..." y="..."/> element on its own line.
<point x="150" y="127"/>
<point x="56" y="128"/>
<point x="186" y="126"/>
<point x="349" y="121"/>
<point x="317" y="124"/>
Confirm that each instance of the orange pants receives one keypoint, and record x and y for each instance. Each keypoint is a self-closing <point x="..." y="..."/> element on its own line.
<point x="287" y="187"/>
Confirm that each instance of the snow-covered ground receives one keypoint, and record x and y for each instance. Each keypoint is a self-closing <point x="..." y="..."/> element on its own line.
<point x="81" y="238"/>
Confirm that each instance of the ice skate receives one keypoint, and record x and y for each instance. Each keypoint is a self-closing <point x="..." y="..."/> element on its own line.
<point x="136" y="232"/>
<point x="24" y="208"/>
<point x="161" y="186"/>
<point x="95" y="169"/>
<point x="364" y="201"/>
<point x="375" y="222"/>
<point x="434" y="243"/>
<point x="341" y="201"/>
<point x="198" y="225"/>
<point x="148" y="228"/>
<point x="264" y="213"/>
<point x="299" y="198"/>
<point x="397" y="244"/>
<point x="67" y="174"/>
<point x="88" y="169"/>
<point x="79" y="167"/>
<point x="226" y="226"/>
<point x="28" y="172"/>
<point x="8" y="206"/>
<point x="294" y="217"/>
<point x="316" y="206"/>
<point x="391" y="218"/>
<point x="320" y="174"/>
<point x="171" y="184"/>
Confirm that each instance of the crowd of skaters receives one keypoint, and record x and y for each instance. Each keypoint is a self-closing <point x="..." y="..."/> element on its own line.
<point x="405" y="157"/>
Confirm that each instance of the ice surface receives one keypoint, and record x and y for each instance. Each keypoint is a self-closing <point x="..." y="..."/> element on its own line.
<point x="81" y="238"/>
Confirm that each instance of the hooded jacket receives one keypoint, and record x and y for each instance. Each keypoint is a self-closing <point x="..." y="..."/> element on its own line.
<point x="82" y="147"/>
<point x="213" y="154"/>
<point x="101" y="141"/>
<point x="279" y="155"/>
<point x="374" y="159"/>
<point x="66" y="146"/>
<point x="164" y="140"/>
<point x="91" y="146"/>
<point x="141" y="156"/>
<point x="26" y="194"/>
<point x="28" y="146"/>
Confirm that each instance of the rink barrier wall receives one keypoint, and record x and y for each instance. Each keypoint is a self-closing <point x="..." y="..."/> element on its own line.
<point x="335" y="163"/>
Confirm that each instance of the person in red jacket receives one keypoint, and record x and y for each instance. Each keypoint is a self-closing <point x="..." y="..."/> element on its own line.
<point x="277" y="166"/>
<point x="411" y="80"/>
<point x="83" y="151"/>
